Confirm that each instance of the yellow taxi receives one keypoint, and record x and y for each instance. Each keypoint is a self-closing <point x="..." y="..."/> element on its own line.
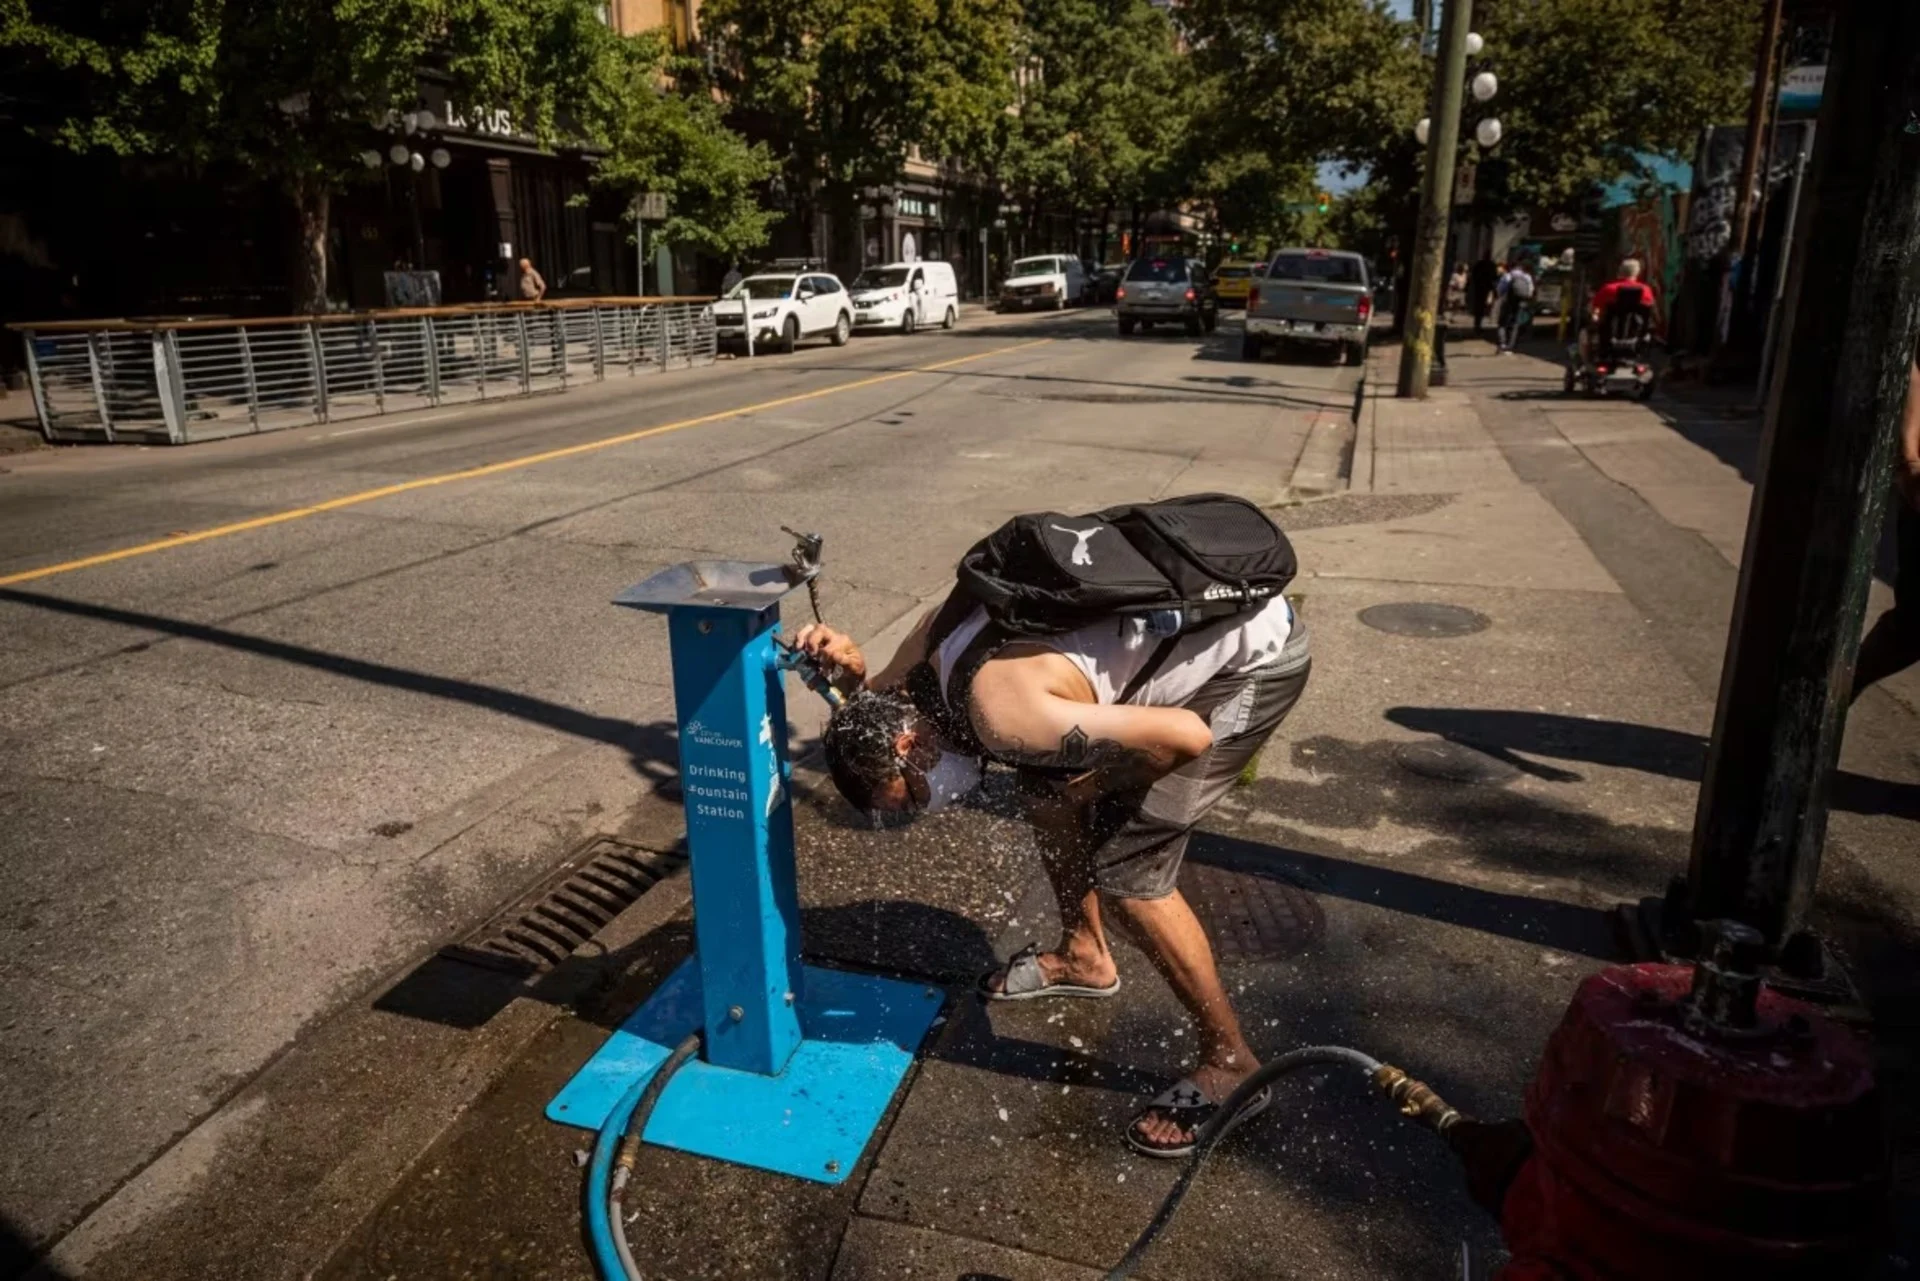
<point x="1232" y="278"/>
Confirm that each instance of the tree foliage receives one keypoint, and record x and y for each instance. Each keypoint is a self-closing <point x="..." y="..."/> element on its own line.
<point x="1588" y="86"/>
<point x="1285" y="85"/>
<point x="1103" y="108"/>
<point x="842" y="89"/>
<point x="291" y="90"/>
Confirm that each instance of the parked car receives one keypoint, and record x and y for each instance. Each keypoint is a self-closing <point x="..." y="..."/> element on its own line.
<point x="1050" y="280"/>
<point x="1310" y="295"/>
<point x="577" y="283"/>
<point x="905" y="296"/>
<point x="1167" y="289"/>
<point x="1106" y="282"/>
<point x="1232" y="278"/>
<point x="783" y="309"/>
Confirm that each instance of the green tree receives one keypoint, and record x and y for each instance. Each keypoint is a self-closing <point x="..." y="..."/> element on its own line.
<point x="842" y="89"/>
<point x="290" y="90"/>
<point x="676" y="141"/>
<point x="1589" y="86"/>
<point x="1102" y="109"/>
<point x="1284" y="85"/>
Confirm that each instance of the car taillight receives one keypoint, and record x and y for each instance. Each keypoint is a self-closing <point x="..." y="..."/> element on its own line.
<point x="1366" y="308"/>
<point x="1120" y="291"/>
<point x="1253" y="296"/>
<point x="1189" y="295"/>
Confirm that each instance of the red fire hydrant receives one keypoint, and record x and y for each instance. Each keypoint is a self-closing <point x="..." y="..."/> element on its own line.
<point x="1689" y="1122"/>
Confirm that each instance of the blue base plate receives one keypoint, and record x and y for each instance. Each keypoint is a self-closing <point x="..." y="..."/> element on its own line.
<point x="812" y="1121"/>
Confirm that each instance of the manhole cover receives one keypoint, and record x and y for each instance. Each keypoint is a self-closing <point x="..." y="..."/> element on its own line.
<point x="1419" y="618"/>
<point x="1250" y="917"/>
<point x="1453" y="763"/>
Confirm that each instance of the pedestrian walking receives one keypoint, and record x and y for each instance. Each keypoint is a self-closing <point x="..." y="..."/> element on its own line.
<point x="731" y="280"/>
<point x="1894" y="643"/>
<point x="1480" y="281"/>
<point x="533" y="286"/>
<point x="1516" y="298"/>
<point x="1457" y="288"/>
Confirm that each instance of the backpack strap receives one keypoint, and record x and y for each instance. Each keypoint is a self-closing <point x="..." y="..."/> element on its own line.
<point x="1149" y="669"/>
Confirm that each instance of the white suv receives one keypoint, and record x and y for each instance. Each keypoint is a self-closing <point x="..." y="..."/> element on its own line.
<point x="782" y="308"/>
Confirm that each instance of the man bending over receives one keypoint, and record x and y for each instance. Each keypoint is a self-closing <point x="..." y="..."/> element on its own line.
<point x="1120" y="748"/>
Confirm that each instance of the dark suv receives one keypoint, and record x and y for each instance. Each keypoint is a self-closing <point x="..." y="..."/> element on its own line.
<point x="1167" y="289"/>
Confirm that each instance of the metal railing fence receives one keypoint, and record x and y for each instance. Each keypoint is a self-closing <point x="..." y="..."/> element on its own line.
<point x="175" y="382"/>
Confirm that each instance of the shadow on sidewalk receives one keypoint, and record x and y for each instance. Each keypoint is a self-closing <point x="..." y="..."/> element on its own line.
<point x="1568" y="927"/>
<point x="1504" y="735"/>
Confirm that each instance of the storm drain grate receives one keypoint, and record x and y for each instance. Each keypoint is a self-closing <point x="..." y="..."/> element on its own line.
<point x="553" y="920"/>
<point x="1251" y="917"/>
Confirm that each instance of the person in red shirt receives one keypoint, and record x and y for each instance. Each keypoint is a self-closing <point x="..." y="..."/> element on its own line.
<point x="1608" y="294"/>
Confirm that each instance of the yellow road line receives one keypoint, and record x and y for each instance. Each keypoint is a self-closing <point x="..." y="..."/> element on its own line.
<point x="490" y="469"/>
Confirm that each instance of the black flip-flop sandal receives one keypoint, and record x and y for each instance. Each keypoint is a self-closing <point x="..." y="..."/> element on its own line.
<point x="1189" y="1106"/>
<point x="1026" y="981"/>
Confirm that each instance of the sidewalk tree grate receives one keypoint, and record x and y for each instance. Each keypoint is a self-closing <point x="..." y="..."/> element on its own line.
<point x="1451" y="762"/>
<point x="1251" y="916"/>
<point x="1425" y="619"/>
<point x="558" y="916"/>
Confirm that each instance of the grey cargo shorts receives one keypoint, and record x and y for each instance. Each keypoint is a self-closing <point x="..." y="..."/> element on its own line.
<point x="1139" y="837"/>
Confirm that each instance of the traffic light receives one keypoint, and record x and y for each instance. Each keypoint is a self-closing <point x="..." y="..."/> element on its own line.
<point x="1326" y="202"/>
<point x="1234" y="247"/>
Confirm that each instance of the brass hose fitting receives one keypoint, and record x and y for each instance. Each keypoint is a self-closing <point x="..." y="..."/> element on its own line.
<point x="1415" y="1099"/>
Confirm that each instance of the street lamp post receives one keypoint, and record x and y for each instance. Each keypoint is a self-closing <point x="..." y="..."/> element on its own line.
<point x="1436" y="196"/>
<point x="1423" y="342"/>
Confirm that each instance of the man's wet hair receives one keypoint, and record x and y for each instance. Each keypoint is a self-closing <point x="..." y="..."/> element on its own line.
<point x="859" y="744"/>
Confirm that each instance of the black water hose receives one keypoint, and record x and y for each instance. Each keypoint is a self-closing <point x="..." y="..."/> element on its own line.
<point x="1415" y="1100"/>
<point x="606" y="1192"/>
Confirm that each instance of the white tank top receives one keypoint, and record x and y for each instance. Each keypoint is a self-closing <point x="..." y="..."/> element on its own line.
<point x="1109" y="654"/>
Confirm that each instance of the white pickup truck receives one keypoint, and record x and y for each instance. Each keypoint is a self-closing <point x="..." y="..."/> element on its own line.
<point x="1310" y="295"/>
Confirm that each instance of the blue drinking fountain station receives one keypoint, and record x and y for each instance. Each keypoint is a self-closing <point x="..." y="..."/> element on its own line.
<point x="798" y="1062"/>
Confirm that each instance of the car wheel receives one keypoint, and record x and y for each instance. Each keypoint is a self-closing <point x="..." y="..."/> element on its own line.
<point x="1059" y="304"/>
<point x="952" y="319"/>
<point x="1250" y="347"/>
<point x="842" y="330"/>
<point x="1568" y="383"/>
<point x="790" y="335"/>
<point x="1645" y="392"/>
<point x="906" y="321"/>
<point x="1194" y="325"/>
<point x="1212" y="321"/>
<point x="1356" y="353"/>
<point x="1126" y="327"/>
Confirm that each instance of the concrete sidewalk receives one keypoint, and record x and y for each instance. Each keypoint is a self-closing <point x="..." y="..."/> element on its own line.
<point x="1421" y="867"/>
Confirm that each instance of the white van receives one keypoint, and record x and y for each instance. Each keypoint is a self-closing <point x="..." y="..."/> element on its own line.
<point x="1050" y="280"/>
<point x="906" y="296"/>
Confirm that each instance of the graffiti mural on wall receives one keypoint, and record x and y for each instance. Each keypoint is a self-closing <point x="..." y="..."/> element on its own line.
<point x="1647" y="232"/>
<point x="1717" y="180"/>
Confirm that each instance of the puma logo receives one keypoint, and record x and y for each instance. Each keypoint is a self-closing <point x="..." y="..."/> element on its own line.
<point x="1081" y="556"/>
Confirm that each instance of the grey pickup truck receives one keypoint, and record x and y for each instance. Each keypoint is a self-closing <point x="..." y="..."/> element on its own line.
<point x="1310" y="295"/>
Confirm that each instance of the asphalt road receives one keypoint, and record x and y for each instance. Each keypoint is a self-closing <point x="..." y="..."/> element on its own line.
<point x="245" y="775"/>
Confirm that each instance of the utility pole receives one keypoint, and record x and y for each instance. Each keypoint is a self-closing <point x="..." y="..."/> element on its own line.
<point x="1753" y="158"/>
<point x="1754" y="163"/>
<point x="1436" y="201"/>
<point x="1854" y="317"/>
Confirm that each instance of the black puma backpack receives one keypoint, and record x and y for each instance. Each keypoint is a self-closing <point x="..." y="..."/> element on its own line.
<point x="1206" y="555"/>
<point x="1177" y="565"/>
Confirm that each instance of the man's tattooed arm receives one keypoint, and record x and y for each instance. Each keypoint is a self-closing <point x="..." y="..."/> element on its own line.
<point x="1101" y="764"/>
